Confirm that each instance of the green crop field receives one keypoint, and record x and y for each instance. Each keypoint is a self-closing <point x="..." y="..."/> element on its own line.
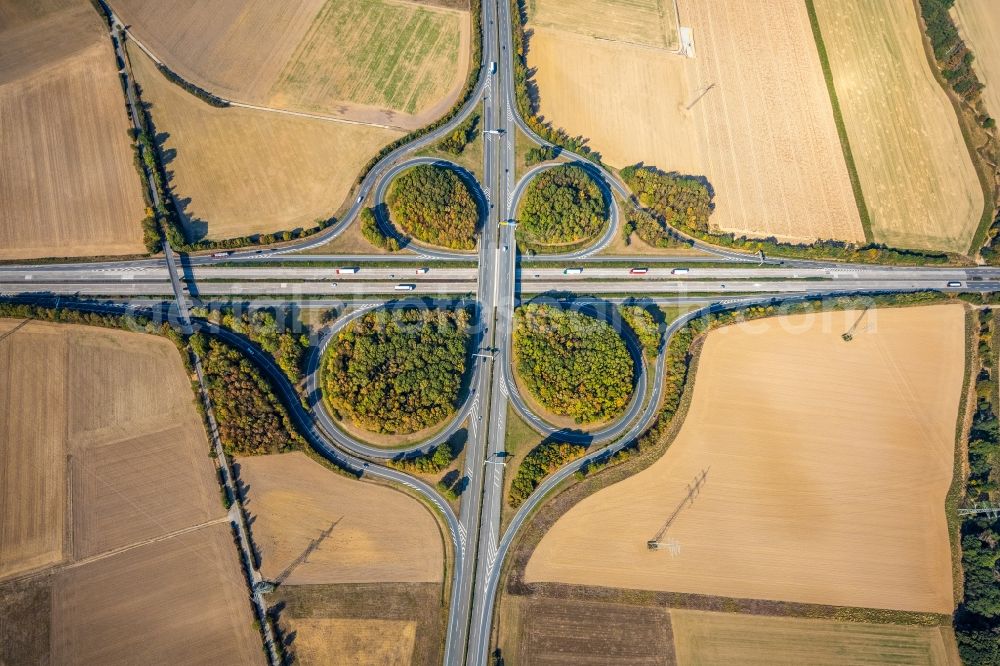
<point x="376" y="53"/>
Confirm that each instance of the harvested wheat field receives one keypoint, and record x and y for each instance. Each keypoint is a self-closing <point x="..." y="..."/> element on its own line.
<point x="978" y="23"/>
<point x="918" y="180"/>
<point x="703" y="638"/>
<point x="378" y="534"/>
<point x="238" y="171"/>
<point x="400" y="64"/>
<point x="100" y="493"/>
<point x="645" y="22"/>
<point x="773" y="158"/>
<point x="799" y="502"/>
<point x="67" y="180"/>
<point x="357" y="642"/>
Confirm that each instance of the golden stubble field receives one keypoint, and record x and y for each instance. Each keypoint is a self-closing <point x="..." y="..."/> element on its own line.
<point x="978" y="23"/>
<point x="918" y="180"/>
<point x="390" y="62"/>
<point x="644" y="22"/>
<point x="350" y="641"/>
<point x="67" y="181"/>
<point x="750" y="112"/>
<point x="240" y="171"/>
<point x="108" y="495"/>
<point x="378" y="534"/>
<point x="703" y="638"/>
<point x="826" y="466"/>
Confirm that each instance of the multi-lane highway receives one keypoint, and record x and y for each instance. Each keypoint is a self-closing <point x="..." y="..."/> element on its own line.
<point x="492" y="281"/>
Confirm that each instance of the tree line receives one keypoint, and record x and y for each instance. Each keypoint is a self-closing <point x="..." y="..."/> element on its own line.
<point x="953" y="56"/>
<point x="574" y="365"/>
<point x="398" y="371"/>
<point x="977" y="619"/>
<point x="541" y="461"/>
<point x="562" y="204"/>
<point x="434" y="205"/>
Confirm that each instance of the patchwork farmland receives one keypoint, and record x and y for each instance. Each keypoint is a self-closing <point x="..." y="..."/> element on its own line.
<point x="67" y="181"/>
<point x="919" y="183"/>
<point x="102" y="494"/>
<point x="774" y="160"/>
<point x="797" y="502"/>
<point x="375" y="61"/>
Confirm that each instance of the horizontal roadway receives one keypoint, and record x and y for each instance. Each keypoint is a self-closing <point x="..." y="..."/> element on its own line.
<point x="295" y="290"/>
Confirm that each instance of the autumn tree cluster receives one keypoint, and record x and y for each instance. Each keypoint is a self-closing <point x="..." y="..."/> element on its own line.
<point x="252" y="419"/>
<point x="373" y="234"/>
<point x="544" y="459"/>
<point x="398" y="370"/>
<point x="271" y="330"/>
<point x="434" y="205"/>
<point x="456" y="142"/>
<point x="562" y="205"/>
<point x="574" y="365"/>
<point x="644" y="325"/>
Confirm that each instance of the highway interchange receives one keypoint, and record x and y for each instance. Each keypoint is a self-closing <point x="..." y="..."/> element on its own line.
<point x="497" y="282"/>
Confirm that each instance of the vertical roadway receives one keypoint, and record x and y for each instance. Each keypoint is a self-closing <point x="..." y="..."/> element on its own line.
<point x="497" y="294"/>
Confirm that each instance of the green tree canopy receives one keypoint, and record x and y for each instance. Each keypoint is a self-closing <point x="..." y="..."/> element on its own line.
<point x="562" y="205"/>
<point x="434" y="205"/>
<point x="573" y="364"/>
<point x="398" y="371"/>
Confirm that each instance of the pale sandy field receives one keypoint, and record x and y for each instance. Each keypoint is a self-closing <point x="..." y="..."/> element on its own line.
<point x="106" y="484"/>
<point x="239" y="171"/>
<point x="826" y="467"/>
<point x="381" y="535"/>
<point x="645" y="22"/>
<point x="702" y="638"/>
<point x="918" y="180"/>
<point x="978" y="23"/>
<point x="67" y="181"/>
<point x="357" y="642"/>
<point x="379" y="61"/>
<point x="763" y="134"/>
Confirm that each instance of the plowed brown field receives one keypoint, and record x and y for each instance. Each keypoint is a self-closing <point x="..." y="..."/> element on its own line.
<point x="67" y="181"/>
<point x="825" y="463"/>
<point x="378" y="535"/>
<point x="750" y="112"/>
